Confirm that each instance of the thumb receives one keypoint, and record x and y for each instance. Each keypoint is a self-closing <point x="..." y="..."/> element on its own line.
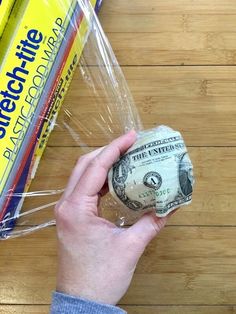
<point x="146" y="228"/>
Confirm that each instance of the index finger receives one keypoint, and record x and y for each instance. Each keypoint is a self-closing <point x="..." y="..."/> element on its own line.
<point x="95" y="175"/>
<point x="78" y="170"/>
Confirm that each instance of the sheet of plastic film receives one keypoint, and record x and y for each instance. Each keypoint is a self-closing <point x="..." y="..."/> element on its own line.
<point x="39" y="59"/>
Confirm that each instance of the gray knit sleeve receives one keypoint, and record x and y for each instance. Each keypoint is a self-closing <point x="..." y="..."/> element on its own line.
<point x="66" y="304"/>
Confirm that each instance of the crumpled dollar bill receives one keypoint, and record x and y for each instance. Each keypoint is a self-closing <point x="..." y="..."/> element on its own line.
<point x="155" y="173"/>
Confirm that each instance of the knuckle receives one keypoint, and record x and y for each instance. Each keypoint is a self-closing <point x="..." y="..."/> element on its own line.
<point x="155" y="228"/>
<point x="85" y="159"/>
<point x="62" y="213"/>
<point x="157" y="224"/>
<point x="59" y="210"/>
<point x="81" y="159"/>
<point x="96" y="162"/>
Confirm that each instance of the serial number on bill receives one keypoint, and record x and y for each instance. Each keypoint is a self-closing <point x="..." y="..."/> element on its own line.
<point x="153" y="192"/>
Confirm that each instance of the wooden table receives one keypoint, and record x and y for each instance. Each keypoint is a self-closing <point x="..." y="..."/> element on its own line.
<point x="179" y="59"/>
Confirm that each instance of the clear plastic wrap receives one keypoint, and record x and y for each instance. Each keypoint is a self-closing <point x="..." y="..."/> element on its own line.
<point x="41" y="147"/>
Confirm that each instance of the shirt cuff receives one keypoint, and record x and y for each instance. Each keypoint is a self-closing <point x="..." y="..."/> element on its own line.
<point x="66" y="304"/>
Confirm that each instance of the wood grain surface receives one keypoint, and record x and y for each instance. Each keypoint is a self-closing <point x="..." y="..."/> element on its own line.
<point x="179" y="58"/>
<point x="182" y="266"/>
<point x="44" y="309"/>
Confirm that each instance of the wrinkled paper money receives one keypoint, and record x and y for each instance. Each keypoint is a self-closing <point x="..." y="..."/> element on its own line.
<point x="155" y="173"/>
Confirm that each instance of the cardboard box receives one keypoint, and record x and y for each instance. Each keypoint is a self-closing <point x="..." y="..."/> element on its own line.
<point x="41" y="44"/>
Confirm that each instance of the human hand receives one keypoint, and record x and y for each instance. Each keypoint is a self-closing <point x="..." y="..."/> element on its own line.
<point x="96" y="258"/>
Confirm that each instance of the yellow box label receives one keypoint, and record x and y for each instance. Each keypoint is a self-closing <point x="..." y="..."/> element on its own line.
<point x="24" y="71"/>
